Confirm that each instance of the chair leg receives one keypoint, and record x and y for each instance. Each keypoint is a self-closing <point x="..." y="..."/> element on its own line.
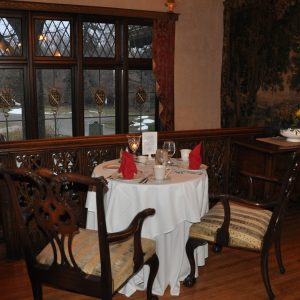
<point x="278" y="255"/>
<point x="36" y="288"/>
<point x="190" y="246"/>
<point x="265" y="274"/>
<point x="153" y="264"/>
<point x="217" y="248"/>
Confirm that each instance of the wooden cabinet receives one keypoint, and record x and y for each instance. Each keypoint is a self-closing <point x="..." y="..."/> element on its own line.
<point x="265" y="158"/>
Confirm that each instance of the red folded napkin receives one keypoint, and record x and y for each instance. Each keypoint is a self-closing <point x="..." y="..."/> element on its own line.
<point x="128" y="166"/>
<point x="195" y="158"/>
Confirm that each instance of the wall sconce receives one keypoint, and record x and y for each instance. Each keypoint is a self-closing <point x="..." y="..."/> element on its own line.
<point x="170" y="4"/>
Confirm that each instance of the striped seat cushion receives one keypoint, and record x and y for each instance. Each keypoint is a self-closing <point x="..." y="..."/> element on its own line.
<point x="85" y="249"/>
<point x="246" y="230"/>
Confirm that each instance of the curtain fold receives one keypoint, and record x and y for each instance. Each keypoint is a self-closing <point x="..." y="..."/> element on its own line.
<point x="163" y="48"/>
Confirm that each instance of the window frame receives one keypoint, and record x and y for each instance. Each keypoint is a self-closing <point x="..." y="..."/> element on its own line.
<point x="76" y="62"/>
<point x="73" y="37"/>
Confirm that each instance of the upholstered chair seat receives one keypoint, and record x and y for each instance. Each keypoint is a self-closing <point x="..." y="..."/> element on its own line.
<point x="86" y="255"/>
<point x="247" y="226"/>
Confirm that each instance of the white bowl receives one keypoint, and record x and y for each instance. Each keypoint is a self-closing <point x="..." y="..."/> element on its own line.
<point x="292" y="135"/>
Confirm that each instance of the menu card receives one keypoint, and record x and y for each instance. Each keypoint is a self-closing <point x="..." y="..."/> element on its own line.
<point x="149" y="143"/>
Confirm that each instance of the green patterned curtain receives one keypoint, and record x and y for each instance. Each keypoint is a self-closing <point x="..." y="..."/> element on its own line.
<point x="261" y="60"/>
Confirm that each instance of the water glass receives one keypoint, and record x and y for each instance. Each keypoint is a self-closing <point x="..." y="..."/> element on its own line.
<point x="171" y="149"/>
<point x="161" y="157"/>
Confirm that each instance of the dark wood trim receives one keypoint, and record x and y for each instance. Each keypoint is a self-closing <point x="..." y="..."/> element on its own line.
<point x="78" y="104"/>
<point x="81" y="9"/>
<point x="47" y="144"/>
<point x="30" y="113"/>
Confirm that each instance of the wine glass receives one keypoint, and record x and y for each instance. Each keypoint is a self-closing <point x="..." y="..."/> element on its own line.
<point x="171" y="148"/>
<point x="161" y="157"/>
<point x="133" y="142"/>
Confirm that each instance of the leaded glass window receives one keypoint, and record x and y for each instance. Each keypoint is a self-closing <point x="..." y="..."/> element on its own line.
<point x="141" y="100"/>
<point x="52" y="38"/>
<point x="139" y="41"/>
<point x="48" y="89"/>
<point x="98" y="39"/>
<point x="10" y="37"/>
<point x="54" y="102"/>
<point x="11" y="104"/>
<point x="99" y="102"/>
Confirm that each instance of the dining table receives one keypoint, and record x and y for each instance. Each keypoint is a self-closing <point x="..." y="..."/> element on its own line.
<point x="179" y="200"/>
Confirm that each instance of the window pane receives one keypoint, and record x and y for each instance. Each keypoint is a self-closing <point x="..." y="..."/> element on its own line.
<point x="10" y="37"/>
<point x="11" y="104"/>
<point x="99" y="102"/>
<point x="52" y="38"/>
<point x="98" y="39"/>
<point x="139" y="41"/>
<point x="141" y="100"/>
<point x="54" y="97"/>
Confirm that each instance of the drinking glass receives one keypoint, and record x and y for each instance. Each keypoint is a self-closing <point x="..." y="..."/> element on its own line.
<point x="171" y="148"/>
<point x="161" y="157"/>
<point x="133" y="142"/>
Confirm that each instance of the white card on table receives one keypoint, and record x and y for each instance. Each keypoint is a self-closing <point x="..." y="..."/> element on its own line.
<point x="149" y="143"/>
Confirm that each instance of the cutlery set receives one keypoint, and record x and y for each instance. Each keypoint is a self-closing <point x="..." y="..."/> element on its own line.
<point x="144" y="180"/>
<point x="189" y="172"/>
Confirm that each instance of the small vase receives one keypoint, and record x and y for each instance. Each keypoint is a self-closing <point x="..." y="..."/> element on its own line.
<point x="291" y="134"/>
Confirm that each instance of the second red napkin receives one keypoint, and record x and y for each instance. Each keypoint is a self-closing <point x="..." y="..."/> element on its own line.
<point x="195" y="158"/>
<point x="128" y="166"/>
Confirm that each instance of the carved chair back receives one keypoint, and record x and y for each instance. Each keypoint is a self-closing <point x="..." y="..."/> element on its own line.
<point x="46" y="204"/>
<point x="61" y="253"/>
<point x="283" y="196"/>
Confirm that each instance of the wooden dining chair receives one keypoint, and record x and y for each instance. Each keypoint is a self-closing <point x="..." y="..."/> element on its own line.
<point x="242" y="223"/>
<point x="60" y="253"/>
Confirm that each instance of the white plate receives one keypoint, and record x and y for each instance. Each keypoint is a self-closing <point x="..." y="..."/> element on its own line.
<point x="111" y="166"/>
<point x="199" y="171"/>
<point x="152" y="178"/>
<point x="138" y="177"/>
<point x="188" y="171"/>
<point x="185" y="168"/>
<point x="203" y="167"/>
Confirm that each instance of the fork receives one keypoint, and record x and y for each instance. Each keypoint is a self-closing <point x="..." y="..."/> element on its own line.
<point x="144" y="180"/>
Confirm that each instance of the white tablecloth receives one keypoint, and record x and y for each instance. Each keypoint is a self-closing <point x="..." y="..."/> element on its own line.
<point x="179" y="201"/>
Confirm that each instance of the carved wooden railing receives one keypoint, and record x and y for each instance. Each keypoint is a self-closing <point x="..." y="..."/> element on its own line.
<point x="82" y="154"/>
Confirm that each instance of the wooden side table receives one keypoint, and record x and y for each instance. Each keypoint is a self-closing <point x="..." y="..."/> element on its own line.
<point x="265" y="156"/>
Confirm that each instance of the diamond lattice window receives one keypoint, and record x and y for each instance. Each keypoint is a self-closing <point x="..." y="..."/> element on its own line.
<point x="141" y="100"/>
<point x="139" y="41"/>
<point x="52" y="38"/>
<point x="98" y="39"/>
<point x="10" y="37"/>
